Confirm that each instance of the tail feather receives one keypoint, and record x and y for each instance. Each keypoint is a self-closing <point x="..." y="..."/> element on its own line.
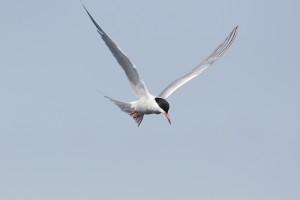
<point x="126" y="107"/>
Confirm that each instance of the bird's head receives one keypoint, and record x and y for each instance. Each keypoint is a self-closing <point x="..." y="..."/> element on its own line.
<point x="164" y="105"/>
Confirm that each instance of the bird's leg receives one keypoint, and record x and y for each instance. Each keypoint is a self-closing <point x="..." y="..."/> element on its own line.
<point x="135" y="115"/>
<point x="138" y="116"/>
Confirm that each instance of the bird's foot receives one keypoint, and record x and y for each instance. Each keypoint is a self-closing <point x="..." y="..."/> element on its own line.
<point x="138" y="116"/>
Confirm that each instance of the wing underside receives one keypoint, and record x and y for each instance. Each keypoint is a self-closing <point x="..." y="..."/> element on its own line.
<point x="201" y="67"/>
<point x="130" y="70"/>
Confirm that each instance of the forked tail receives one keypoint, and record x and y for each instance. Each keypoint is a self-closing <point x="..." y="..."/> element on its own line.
<point x="126" y="107"/>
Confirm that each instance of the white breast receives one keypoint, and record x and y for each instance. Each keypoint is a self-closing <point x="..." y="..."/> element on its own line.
<point x="146" y="105"/>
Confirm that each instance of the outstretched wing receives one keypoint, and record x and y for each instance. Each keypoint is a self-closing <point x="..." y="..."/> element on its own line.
<point x="206" y="63"/>
<point x="130" y="70"/>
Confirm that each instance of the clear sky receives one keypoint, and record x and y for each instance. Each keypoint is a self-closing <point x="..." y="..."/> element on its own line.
<point x="235" y="130"/>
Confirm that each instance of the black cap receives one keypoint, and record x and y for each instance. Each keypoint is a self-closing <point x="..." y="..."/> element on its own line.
<point x="163" y="104"/>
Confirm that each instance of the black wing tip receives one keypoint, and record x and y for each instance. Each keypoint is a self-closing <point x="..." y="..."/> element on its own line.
<point x="236" y="28"/>
<point x="234" y="33"/>
<point x="100" y="31"/>
<point x="83" y="5"/>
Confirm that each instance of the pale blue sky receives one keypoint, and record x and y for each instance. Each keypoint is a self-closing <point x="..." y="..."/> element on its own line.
<point x="235" y="130"/>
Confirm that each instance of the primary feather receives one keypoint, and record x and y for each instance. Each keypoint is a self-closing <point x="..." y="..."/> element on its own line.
<point x="197" y="70"/>
<point x="130" y="70"/>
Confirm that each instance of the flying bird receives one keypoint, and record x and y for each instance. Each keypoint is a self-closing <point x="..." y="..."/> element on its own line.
<point x="146" y="102"/>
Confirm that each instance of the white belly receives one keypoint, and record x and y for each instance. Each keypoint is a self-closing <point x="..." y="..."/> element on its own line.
<point x="146" y="106"/>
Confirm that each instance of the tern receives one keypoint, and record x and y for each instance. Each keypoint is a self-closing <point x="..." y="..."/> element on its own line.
<point x="146" y="102"/>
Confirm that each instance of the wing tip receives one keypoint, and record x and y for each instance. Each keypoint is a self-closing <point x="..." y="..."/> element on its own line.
<point x="83" y="5"/>
<point x="100" y="31"/>
<point x="235" y="30"/>
<point x="208" y="61"/>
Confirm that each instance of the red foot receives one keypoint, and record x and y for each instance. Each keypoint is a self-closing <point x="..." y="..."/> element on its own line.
<point x="131" y="113"/>
<point x="137" y="116"/>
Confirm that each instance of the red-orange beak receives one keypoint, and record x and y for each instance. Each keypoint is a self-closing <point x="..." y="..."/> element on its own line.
<point x="168" y="117"/>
